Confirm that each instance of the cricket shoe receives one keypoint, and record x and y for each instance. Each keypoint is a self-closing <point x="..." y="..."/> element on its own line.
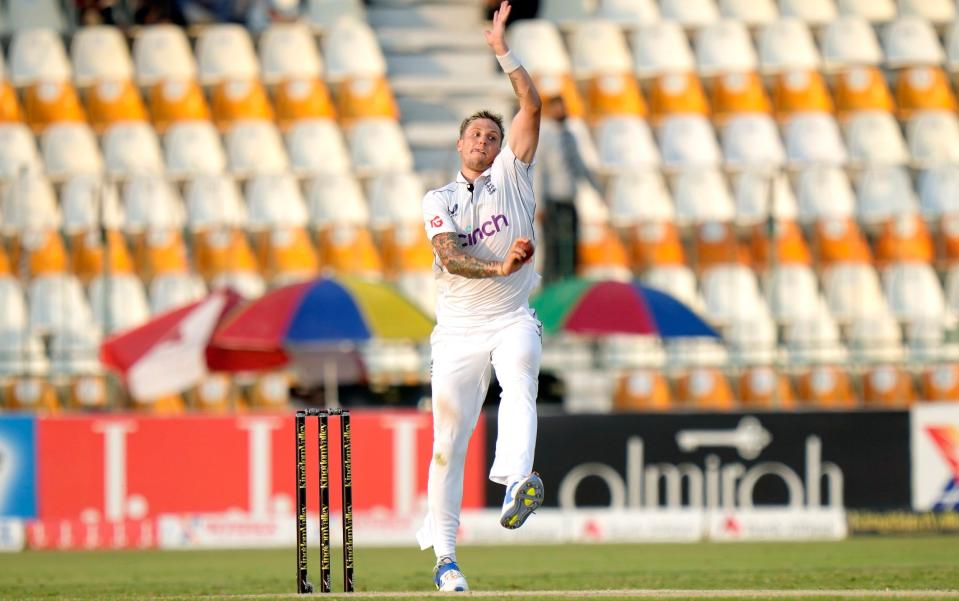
<point x="448" y="578"/>
<point x="522" y="499"/>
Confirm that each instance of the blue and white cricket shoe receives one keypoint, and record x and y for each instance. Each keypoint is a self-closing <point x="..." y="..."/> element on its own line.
<point x="522" y="499"/>
<point x="448" y="578"/>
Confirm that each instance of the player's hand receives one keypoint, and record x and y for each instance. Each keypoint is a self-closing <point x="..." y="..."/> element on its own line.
<point x="520" y="253"/>
<point x="497" y="37"/>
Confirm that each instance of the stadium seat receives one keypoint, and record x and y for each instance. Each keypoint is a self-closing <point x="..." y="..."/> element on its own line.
<point x="57" y="303"/>
<point x="171" y="290"/>
<point x="132" y="148"/>
<point x="797" y="92"/>
<point x="10" y="109"/>
<point x="600" y="254"/>
<point x="937" y="12"/>
<point x="704" y="388"/>
<point x="911" y="41"/>
<point x="271" y="390"/>
<point x="787" y="45"/>
<point x="887" y="386"/>
<point x="933" y="138"/>
<point x="214" y="201"/>
<point x="689" y="13"/>
<point x="38" y="56"/>
<point x="150" y="201"/>
<point x="716" y="243"/>
<point x="286" y="255"/>
<point x="737" y="93"/>
<point x="540" y="44"/>
<point x="99" y="53"/>
<point x="849" y="42"/>
<point x="30" y="205"/>
<point x="70" y="149"/>
<point x="638" y="196"/>
<point x="814" y="138"/>
<point x="91" y="210"/>
<point x="118" y="301"/>
<point x="44" y="249"/>
<point x="642" y="390"/>
<point x="160" y="251"/>
<point x="13" y="307"/>
<point x="316" y="146"/>
<point x="18" y="151"/>
<point x="176" y="100"/>
<point x="363" y="97"/>
<point x="677" y="280"/>
<point x="824" y="192"/>
<point x="324" y="14"/>
<point x="751" y="12"/>
<point x="883" y="193"/>
<point x="914" y="292"/>
<point x="862" y="89"/>
<point x="938" y="190"/>
<point x="792" y="293"/>
<point x="274" y="200"/>
<point x="751" y="141"/>
<point x="904" y="238"/>
<point x="348" y="248"/>
<point x="192" y="148"/>
<point x="33" y="14"/>
<point x="688" y="141"/>
<point x="875" y="338"/>
<point x="235" y="100"/>
<point x="788" y="244"/>
<point x="814" y="338"/>
<point x="296" y="100"/>
<point x="762" y="387"/>
<point x="216" y="393"/>
<point x="660" y="48"/>
<point x="874" y="11"/>
<point x="751" y="340"/>
<point x="813" y="12"/>
<point x="839" y="240"/>
<point x="224" y="257"/>
<point x="602" y="60"/>
<point x="51" y="102"/>
<point x="225" y="52"/>
<point x="724" y="47"/>
<point x="731" y="293"/>
<point x="628" y="13"/>
<point x="255" y="147"/>
<point x="109" y="102"/>
<point x="922" y="89"/>
<point x="378" y="145"/>
<point x="940" y="382"/>
<point x="394" y="198"/>
<point x="655" y="243"/>
<point x="288" y="52"/>
<point x="350" y="50"/>
<point x="874" y="137"/>
<point x="761" y="193"/>
<point x="21" y="354"/>
<point x="405" y="250"/>
<point x="701" y="194"/>
<point x="32" y="392"/>
<point x="853" y="292"/>
<point x="825" y="386"/>
<point x="677" y="94"/>
<point x="335" y="198"/>
<point x="278" y="217"/>
<point x="161" y="53"/>
<point x="625" y="143"/>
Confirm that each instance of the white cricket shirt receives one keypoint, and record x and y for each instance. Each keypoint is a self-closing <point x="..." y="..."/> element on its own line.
<point x="487" y="220"/>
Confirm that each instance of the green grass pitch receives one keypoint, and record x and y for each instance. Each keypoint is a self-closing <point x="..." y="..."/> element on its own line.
<point x="861" y="568"/>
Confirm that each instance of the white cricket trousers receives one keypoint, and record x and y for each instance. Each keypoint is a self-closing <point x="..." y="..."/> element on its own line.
<point x="462" y="358"/>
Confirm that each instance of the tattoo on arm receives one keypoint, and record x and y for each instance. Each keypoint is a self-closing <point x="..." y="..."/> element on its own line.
<point x="459" y="263"/>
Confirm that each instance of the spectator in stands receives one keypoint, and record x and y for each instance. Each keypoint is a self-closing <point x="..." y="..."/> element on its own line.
<point x="561" y="171"/>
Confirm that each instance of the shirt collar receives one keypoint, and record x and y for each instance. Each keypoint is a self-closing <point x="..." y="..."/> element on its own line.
<point x="461" y="179"/>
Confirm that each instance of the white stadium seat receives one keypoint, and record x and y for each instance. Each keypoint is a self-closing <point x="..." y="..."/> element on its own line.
<point x="938" y="190"/>
<point x="162" y="52"/>
<point x="225" y="52"/>
<point x="171" y="290"/>
<point x="937" y="12"/>
<point x="751" y="12"/>
<point x="13" y="305"/>
<point x="151" y="202"/>
<point x="911" y="41"/>
<point x="118" y="301"/>
<point x="687" y="141"/>
<point x="336" y="198"/>
<point x="756" y="192"/>
<point x="214" y="201"/>
<point x="288" y="51"/>
<point x="351" y="50"/>
<point x="30" y="205"/>
<point x="814" y="138"/>
<point x="874" y="11"/>
<point x="751" y="140"/>
<point x="787" y="44"/>
<point x="132" y="147"/>
<point x="849" y="41"/>
<point x="275" y="200"/>
<point x="317" y="146"/>
<point x="824" y="191"/>
<point x="638" y="196"/>
<point x="678" y="281"/>
<point x="325" y="13"/>
<point x="38" y="55"/>
<point x="540" y="45"/>
<point x="732" y="293"/>
<point x="724" y="47"/>
<point x="395" y="198"/>
<point x="814" y="340"/>
<point x="255" y="147"/>
<point x="193" y="148"/>
<point x="625" y="143"/>
<point x="752" y="340"/>
<point x="35" y="14"/>
<point x="813" y="12"/>
<point x="377" y="145"/>
<point x="661" y="48"/>
<point x="76" y="351"/>
<point x="702" y="195"/>
<point x="884" y="192"/>
<point x="875" y="338"/>
<point x="913" y="292"/>
<point x="628" y="13"/>
<point x="69" y="149"/>
<point x="88" y="201"/>
<point x="874" y="137"/>
<point x="689" y="13"/>
<point x="57" y="303"/>
<point x="933" y="138"/>
<point x="598" y="48"/>
<point x="100" y="53"/>
<point x="792" y="293"/>
<point x="18" y="150"/>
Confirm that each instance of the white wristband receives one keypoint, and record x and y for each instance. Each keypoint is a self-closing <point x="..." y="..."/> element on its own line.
<point x="508" y="62"/>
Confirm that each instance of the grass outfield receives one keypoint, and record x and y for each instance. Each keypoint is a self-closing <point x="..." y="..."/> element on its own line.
<point x="860" y="568"/>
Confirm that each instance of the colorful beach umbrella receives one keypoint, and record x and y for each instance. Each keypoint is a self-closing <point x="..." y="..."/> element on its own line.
<point x="312" y="319"/>
<point x="594" y="307"/>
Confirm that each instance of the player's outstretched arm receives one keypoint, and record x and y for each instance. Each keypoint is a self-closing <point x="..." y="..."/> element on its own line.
<point x="524" y="130"/>
<point x="459" y="263"/>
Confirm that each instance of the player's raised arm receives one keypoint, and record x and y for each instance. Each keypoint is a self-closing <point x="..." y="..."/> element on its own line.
<point x="524" y="130"/>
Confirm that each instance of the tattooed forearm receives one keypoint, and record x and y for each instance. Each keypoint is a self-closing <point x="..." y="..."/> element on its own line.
<point x="459" y="263"/>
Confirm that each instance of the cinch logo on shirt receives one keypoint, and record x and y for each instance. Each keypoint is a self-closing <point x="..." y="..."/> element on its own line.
<point x="487" y="228"/>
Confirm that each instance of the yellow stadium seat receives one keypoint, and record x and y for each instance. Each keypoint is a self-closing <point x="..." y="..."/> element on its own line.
<point x="642" y="390"/>
<point x="9" y="104"/>
<point x="51" y="102"/>
<point x="734" y="93"/>
<point x="887" y="386"/>
<point x="790" y="244"/>
<point x="904" y="238"/>
<point x="86" y="254"/>
<point x="31" y="393"/>
<point x="800" y="91"/>
<point x="677" y="93"/>
<point x="349" y="249"/>
<point x="839" y="240"/>
<point x="297" y="99"/>
<point x="825" y="386"/>
<point x="45" y="250"/>
<point x="705" y="388"/>
<point x="223" y="250"/>
<point x="160" y="251"/>
<point x="362" y="97"/>
<point x="656" y="243"/>
<point x="862" y="89"/>
<point x="284" y="252"/>
<point x="614" y="94"/>
<point x="166" y="405"/>
<point x="236" y="100"/>
<point x="762" y="387"/>
<point x="405" y="248"/>
<point x="109" y="102"/>
<point x="923" y="88"/>
<point x="177" y="100"/>
<point x="940" y="382"/>
<point x="271" y="391"/>
<point x="5" y="268"/>
<point x="551" y="86"/>
<point x="600" y="253"/>
<point x="88" y="392"/>
<point x="716" y="243"/>
<point x="216" y="393"/>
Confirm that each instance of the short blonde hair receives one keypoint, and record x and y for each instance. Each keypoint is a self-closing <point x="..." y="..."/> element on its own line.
<point x="484" y="114"/>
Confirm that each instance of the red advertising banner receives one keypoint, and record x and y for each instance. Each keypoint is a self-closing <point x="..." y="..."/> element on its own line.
<point x="117" y="468"/>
